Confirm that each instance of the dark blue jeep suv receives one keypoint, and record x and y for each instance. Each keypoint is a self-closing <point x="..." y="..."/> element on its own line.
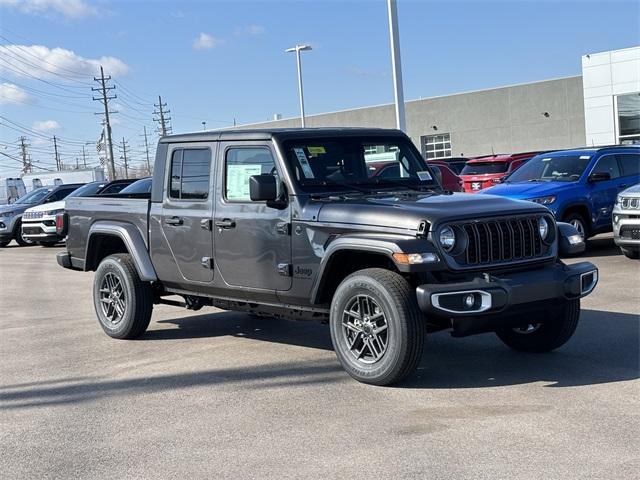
<point x="579" y="186"/>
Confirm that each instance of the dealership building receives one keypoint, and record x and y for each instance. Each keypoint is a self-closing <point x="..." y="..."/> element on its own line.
<point x="599" y="107"/>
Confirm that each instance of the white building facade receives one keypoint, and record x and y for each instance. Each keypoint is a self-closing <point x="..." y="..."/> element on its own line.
<point x="611" y="84"/>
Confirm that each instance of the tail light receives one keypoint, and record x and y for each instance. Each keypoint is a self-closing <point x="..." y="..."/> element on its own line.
<point x="62" y="224"/>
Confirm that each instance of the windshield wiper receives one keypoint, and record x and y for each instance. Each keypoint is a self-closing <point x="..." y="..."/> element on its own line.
<point x="415" y="188"/>
<point x="333" y="183"/>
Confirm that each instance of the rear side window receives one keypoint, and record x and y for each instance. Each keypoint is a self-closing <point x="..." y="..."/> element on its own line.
<point x="483" y="168"/>
<point x="240" y="165"/>
<point x="190" y="168"/>
<point x="607" y="164"/>
<point x="630" y="163"/>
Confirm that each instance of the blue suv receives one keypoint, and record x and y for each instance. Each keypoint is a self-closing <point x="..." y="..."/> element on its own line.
<point x="579" y="186"/>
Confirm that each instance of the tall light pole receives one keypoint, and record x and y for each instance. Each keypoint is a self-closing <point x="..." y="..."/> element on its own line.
<point x="394" y="38"/>
<point x="298" y="49"/>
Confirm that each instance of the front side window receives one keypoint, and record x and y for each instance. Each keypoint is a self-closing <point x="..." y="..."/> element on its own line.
<point x="190" y="168"/>
<point x="240" y="165"/>
<point x="436" y="146"/>
<point x="355" y="163"/>
<point x="607" y="164"/>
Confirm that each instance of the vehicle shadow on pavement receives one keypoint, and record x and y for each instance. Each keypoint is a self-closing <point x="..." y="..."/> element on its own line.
<point x="601" y="247"/>
<point x="604" y="349"/>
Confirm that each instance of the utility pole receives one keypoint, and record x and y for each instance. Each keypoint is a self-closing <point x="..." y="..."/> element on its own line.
<point x="146" y="148"/>
<point x="124" y="158"/>
<point x="84" y="157"/>
<point x="163" y="120"/>
<point x="103" y="89"/>
<point x="26" y="164"/>
<point x="55" y="149"/>
<point x="394" y="38"/>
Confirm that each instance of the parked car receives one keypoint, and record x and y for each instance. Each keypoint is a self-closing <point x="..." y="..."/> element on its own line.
<point x="484" y="172"/>
<point x="626" y="221"/>
<point x="579" y="186"/>
<point x="39" y="222"/>
<point x="450" y="181"/>
<point x="289" y="222"/>
<point x="141" y="186"/>
<point x="11" y="215"/>
<point x="456" y="164"/>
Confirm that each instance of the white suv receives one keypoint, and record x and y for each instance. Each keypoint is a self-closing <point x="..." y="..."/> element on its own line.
<point x="626" y="221"/>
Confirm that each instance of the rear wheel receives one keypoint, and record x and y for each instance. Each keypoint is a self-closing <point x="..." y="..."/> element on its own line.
<point x="579" y="223"/>
<point x="123" y="302"/>
<point x="377" y="328"/>
<point x="631" y="253"/>
<point x="543" y="337"/>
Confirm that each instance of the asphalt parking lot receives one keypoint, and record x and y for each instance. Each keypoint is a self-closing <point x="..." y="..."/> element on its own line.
<point x="213" y="394"/>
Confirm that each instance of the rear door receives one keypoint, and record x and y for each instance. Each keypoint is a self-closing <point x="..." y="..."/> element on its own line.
<point x="252" y="240"/>
<point x="630" y="164"/>
<point x="187" y="210"/>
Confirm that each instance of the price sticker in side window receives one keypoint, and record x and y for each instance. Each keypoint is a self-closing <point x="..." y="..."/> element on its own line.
<point x="304" y="163"/>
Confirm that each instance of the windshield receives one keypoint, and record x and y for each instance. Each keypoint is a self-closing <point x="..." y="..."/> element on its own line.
<point x="141" y="186"/>
<point x="86" y="190"/>
<point x="33" y="197"/>
<point x="483" y="168"/>
<point x="357" y="164"/>
<point x="548" y="168"/>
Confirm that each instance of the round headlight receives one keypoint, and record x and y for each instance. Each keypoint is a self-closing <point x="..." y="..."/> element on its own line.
<point x="543" y="228"/>
<point x="447" y="238"/>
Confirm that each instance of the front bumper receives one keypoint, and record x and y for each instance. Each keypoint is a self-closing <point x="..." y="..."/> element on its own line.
<point x="490" y="301"/>
<point x="626" y="231"/>
<point x="41" y="230"/>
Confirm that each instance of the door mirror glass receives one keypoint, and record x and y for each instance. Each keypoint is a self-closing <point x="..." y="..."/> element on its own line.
<point x="599" y="176"/>
<point x="263" y="188"/>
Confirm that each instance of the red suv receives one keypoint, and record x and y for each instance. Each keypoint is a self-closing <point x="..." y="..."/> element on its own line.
<point x="450" y="181"/>
<point x="483" y="172"/>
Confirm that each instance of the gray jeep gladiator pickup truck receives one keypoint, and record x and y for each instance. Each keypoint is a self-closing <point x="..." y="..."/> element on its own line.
<point x="295" y="223"/>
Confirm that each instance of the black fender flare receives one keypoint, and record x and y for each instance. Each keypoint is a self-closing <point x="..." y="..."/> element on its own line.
<point x="134" y="242"/>
<point x="385" y="245"/>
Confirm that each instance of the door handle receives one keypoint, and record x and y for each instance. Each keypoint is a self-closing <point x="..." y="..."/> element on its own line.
<point x="226" y="223"/>
<point x="173" y="221"/>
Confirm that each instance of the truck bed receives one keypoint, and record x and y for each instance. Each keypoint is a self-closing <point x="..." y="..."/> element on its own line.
<point x="84" y="212"/>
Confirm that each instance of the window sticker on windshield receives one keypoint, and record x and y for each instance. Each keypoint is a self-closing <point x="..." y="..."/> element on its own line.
<point x="316" y="150"/>
<point x="585" y="157"/>
<point x="546" y="159"/>
<point x="424" y="176"/>
<point x="304" y="163"/>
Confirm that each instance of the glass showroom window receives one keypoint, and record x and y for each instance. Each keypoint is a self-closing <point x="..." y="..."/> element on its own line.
<point x="628" y="107"/>
<point x="436" y="146"/>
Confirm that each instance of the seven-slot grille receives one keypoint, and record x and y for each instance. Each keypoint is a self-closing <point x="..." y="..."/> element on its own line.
<point x="30" y="215"/>
<point x="502" y="240"/>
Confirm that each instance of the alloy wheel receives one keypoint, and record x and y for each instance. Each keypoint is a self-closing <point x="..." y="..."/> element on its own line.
<point x="112" y="298"/>
<point x="365" y="329"/>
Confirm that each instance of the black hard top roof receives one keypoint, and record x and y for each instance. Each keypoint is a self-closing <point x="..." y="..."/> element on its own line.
<point x="281" y="133"/>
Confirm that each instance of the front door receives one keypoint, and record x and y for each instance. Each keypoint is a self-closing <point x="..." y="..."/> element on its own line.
<point x="604" y="193"/>
<point x="252" y="240"/>
<point x="187" y="211"/>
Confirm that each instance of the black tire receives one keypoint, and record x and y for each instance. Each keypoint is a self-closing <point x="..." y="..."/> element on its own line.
<point x="17" y="236"/>
<point x="403" y="343"/>
<point x="576" y="220"/>
<point x="129" y="318"/>
<point x="4" y="244"/>
<point x="544" y="337"/>
<point x="48" y="244"/>
<point x="631" y="253"/>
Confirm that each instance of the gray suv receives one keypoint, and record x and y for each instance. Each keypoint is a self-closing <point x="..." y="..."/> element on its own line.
<point x="11" y="215"/>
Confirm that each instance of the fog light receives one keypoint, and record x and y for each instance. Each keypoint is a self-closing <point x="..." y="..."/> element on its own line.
<point x="469" y="300"/>
<point x="616" y="219"/>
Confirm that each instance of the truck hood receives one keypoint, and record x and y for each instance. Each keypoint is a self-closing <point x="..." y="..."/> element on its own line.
<point x="528" y="189"/>
<point x="407" y="211"/>
<point x="45" y="207"/>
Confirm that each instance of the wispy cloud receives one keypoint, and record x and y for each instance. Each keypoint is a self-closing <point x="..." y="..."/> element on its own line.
<point x="10" y="93"/>
<point x="250" y="30"/>
<point x="45" y="62"/>
<point x="45" y="125"/>
<point x="66" y="8"/>
<point x="204" y="41"/>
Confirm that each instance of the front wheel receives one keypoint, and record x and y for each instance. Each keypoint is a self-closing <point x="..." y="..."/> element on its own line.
<point x="543" y="337"/>
<point x="123" y="303"/>
<point x="631" y="253"/>
<point x="377" y="329"/>
<point x="20" y="239"/>
<point x="579" y="223"/>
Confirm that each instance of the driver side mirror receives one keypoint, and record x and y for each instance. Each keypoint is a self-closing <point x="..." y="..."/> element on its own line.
<point x="599" y="176"/>
<point x="263" y="188"/>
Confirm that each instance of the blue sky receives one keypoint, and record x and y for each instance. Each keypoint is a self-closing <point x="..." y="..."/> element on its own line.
<point x="239" y="69"/>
